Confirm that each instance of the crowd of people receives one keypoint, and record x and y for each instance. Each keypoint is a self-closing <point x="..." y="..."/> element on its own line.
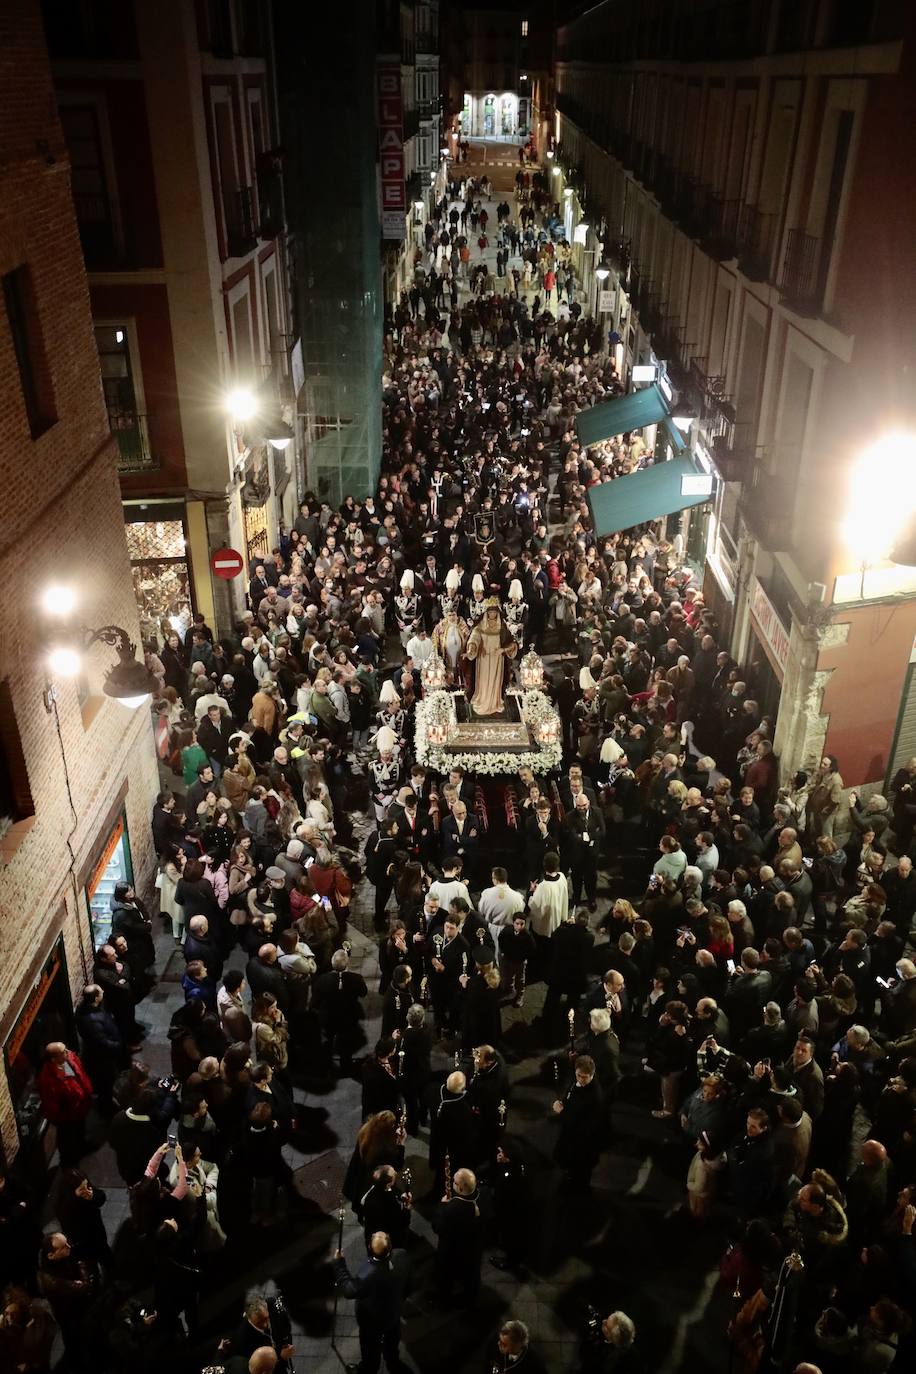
<point x="726" y="949"/>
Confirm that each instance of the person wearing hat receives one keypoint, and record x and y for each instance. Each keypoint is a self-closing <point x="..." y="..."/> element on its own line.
<point x="477" y="603"/>
<point x="450" y="599"/>
<point x="586" y="715"/>
<point x="391" y="714"/>
<point x="384" y="772"/>
<point x="515" y="612"/>
<point x="407" y="611"/>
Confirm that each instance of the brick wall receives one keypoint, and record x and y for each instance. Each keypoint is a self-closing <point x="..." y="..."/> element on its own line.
<point x="60" y="521"/>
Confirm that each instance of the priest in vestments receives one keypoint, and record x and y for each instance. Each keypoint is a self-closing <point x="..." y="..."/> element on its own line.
<point x="490" y="647"/>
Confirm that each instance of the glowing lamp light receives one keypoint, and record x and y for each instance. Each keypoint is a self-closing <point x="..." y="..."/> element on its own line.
<point x="531" y="671"/>
<point x="556" y="171"/>
<point x="241" y="404"/>
<point x="602" y="271"/>
<point x="549" y="730"/>
<point x="568" y="191"/>
<point x="434" y="674"/>
<point x="58" y="601"/>
<point x="550" y="152"/>
<point x="437" y="733"/>
<point x="882" y="498"/>
<point x="64" y="661"/>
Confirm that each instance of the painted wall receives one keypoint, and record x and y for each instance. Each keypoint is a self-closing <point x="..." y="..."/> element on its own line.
<point x="862" y="696"/>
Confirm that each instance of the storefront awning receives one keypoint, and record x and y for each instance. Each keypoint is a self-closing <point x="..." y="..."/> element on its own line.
<point x="648" y="495"/>
<point x="624" y="413"/>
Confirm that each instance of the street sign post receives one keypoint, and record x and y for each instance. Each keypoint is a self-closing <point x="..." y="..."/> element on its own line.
<point x="226" y="563"/>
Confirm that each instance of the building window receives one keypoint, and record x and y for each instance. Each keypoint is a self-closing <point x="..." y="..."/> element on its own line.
<point x="124" y="418"/>
<point x="28" y="346"/>
<point x="524" y="28"/>
<point x="15" y="795"/>
<point x="159" y="567"/>
<point x="91" y="196"/>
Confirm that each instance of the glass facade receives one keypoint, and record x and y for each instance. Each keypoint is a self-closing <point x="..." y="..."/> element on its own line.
<point x="333" y="218"/>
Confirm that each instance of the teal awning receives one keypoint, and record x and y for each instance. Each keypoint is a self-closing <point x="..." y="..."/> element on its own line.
<point x="624" y="413"/>
<point x="642" y="496"/>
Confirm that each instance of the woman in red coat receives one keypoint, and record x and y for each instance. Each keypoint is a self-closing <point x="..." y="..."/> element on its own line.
<point x="66" y="1097"/>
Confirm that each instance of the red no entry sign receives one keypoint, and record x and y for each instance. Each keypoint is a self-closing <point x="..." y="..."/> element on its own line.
<point x="226" y="563"/>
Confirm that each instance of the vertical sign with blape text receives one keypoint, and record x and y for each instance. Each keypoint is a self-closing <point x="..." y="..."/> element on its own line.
<point x="391" y="151"/>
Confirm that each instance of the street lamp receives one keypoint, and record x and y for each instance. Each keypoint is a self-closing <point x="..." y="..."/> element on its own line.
<point x="241" y="404"/>
<point x="882" y="501"/>
<point x="130" y="682"/>
<point x="602" y="271"/>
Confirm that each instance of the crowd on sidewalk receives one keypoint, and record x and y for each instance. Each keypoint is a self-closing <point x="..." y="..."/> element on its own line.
<point x="755" y="988"/>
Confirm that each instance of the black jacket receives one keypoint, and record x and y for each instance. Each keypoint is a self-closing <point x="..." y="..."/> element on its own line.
<point x="583" y="1128"/>
<point x="570" y="950"/>
<point x="379" y="1287"/>
<point x="262" y="977"/>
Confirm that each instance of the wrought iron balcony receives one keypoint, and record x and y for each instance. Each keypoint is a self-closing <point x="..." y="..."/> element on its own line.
<point x="270" y="194"/>
<point x="800" y="282"/>
<point x="134" y="451"/>
<point x="238" y="211"/>
<point x="722" y="237"/>
<point x="102" y="246"/>
<point x="755" y="242"/>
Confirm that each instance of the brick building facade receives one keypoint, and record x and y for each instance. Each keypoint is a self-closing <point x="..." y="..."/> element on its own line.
<point x="79" y="779"/>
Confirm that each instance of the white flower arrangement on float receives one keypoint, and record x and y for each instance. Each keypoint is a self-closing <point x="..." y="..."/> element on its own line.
<point x="541" y="719"/>
<point x="435" y="716"/>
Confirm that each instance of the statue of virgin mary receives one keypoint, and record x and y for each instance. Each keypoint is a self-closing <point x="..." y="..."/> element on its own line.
<point x="490" y="648"/>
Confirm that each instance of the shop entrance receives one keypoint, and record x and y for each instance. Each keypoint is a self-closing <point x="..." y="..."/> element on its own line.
<point x="46" y="1016"/>
<point x="764" y="685"/>
<point x="157" y="544"/>
<point x="112" y="867"/>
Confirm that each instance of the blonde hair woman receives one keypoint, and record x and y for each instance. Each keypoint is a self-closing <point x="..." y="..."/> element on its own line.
<point x="271" y="1033"/>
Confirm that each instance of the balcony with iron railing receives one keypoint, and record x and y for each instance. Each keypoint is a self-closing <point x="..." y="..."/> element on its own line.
<point x="721" y="240"/>
<point x="103" y="245"/>
<point x="132" y="433"/>
<point x="238" y="212"/>
<point x="756" y="229"/>
<point x="411" y="123"/>
<point x="270" y="194"/>
<point x="767" y="504"/>
<point x="800" y="281"/>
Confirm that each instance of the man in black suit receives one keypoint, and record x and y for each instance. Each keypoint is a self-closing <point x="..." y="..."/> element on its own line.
<point x="585" y="835"/>
<point x="214" y="734"/>
<point x="460" y="836"/>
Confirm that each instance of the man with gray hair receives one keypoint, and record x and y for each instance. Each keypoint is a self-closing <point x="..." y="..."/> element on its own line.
<point x="602" y="1045"/>
<point x="512" y="1349"/>
<point x="290" y="860"/>
<point x="337" y="1000"/>
<point x="608" y="1345"/>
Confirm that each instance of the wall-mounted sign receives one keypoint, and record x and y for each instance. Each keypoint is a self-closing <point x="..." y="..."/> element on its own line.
<point x="645" y="372"/>
<point x="772" y="632"/>
<point x="696" y="484"/>
<point x="391" y="150"/>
